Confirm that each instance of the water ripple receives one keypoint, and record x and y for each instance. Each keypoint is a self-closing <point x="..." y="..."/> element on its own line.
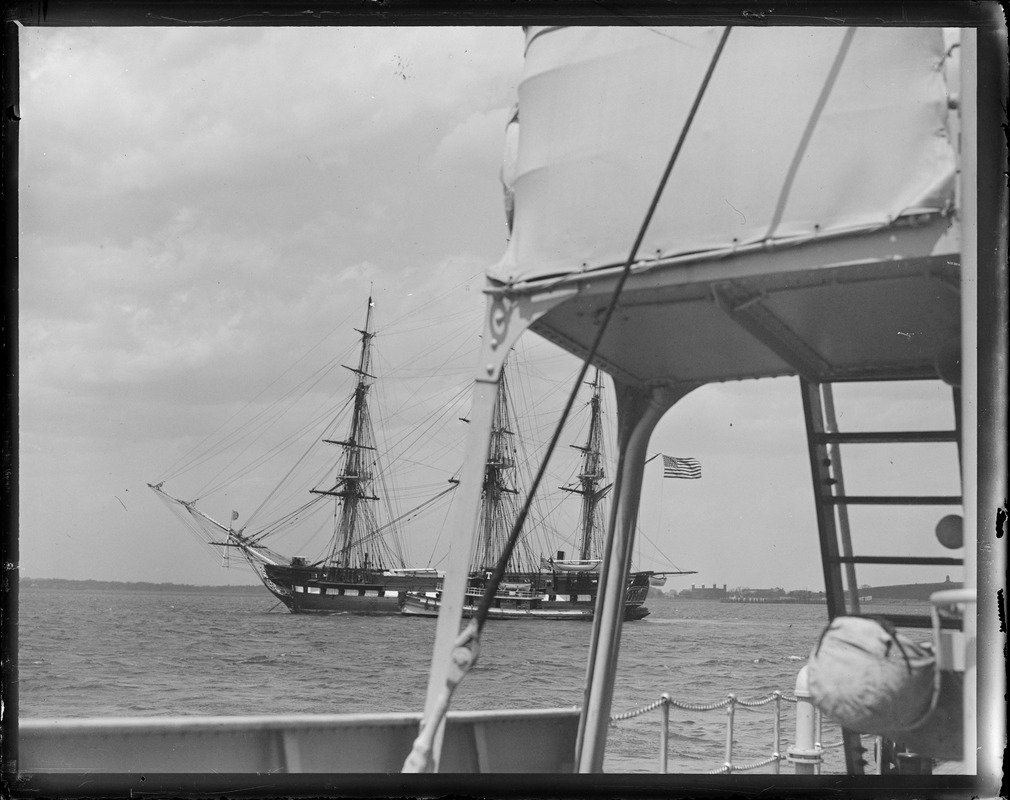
<point x="97" y="653"/>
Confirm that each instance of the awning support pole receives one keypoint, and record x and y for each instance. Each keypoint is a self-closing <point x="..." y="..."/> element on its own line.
<point x="969" y="374"/>
<point x="984" y="393"/>
<point x="638" y="411"/>
<point x="505" y="319"/>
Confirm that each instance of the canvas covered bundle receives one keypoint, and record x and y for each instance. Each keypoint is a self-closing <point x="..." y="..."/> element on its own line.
<point x="871" y="679"/>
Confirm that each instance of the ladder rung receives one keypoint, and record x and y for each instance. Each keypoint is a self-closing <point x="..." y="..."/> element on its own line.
<point x="934" y="560"/>
<point x="894" y="500"/>
<point x="916" y="620"/>
<point x="886" y="437"/>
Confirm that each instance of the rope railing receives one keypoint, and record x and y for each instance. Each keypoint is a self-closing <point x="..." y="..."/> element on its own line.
<point x="726" y="769"/>
<point x="730" y="702"/>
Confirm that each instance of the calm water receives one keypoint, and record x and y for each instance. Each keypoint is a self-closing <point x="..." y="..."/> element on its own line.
<point x="133" y="653"/>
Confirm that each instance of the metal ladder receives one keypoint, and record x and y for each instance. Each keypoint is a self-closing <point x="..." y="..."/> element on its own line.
<point x="824" y="443"/>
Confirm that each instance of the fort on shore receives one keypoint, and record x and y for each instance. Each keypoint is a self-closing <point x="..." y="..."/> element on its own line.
<point x="741" y="594"/>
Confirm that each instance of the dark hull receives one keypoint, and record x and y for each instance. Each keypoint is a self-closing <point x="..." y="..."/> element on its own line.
<point x="559" y="595"/>
<point x="309" y="590"/>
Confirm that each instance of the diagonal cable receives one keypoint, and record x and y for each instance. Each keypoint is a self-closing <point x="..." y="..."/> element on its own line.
<point x="467" y="645"/>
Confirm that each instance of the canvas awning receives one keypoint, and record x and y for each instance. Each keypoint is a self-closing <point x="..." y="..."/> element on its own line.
<point x="809" y="224"/>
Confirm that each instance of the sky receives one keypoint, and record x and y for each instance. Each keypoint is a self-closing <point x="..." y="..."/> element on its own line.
<point x="203" y="215"/>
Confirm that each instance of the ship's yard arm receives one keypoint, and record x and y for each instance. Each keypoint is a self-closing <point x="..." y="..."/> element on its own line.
<point x="454" y="654"/>
<point x="379" y="532"/>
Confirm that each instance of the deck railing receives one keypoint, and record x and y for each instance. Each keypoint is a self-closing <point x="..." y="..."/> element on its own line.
<point x="805" y="755"/>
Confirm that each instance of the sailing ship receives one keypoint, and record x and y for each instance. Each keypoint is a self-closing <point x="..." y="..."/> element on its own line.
<point x="557" y="587"/>
<point x="363" y="570"/>
<point x="361" y="573"/>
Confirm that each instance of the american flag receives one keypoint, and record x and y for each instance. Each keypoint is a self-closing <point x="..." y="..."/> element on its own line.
<point x="681" y="467"/>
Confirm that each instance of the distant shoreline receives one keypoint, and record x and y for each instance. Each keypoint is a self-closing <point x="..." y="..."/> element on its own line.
<point x="903" y="593"/>
<point x="139" y="586"/>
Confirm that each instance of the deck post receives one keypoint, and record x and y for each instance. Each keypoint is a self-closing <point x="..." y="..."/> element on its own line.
<point x="805" y="754"/>
<point x="730" y="715"/>
<point x="664" y="735"/>
<point x="638" y="411"/>
<point x="777" y="734"/>
<point x="969" y="374"/>
<point x="984" y="368"/>
<point x="463" y="529"/>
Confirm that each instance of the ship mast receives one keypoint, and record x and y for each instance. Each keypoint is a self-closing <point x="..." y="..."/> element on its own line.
<point x="352" y="485"/>
<point x="498" y="507"/>
<point x="590" y="476"/>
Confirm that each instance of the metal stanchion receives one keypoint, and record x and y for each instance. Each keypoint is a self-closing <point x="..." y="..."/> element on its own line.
<point x="805" y="755"/>
<point x="664" y="734"/>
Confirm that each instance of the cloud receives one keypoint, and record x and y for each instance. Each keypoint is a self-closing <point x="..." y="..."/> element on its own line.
<point x="471" y="147"/>
<point x="206" y="190"/>
<point x="280" y="122"/>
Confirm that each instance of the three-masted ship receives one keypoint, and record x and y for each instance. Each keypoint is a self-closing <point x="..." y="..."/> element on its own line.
<point x="555" y="588"/>
<point x="360" y="572"/>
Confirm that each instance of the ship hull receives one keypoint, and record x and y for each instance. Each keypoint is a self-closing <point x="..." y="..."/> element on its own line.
<point x="308" y="590"/>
